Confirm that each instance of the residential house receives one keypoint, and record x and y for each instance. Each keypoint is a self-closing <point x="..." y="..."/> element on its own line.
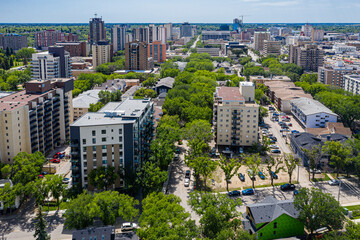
<point x="164" y="85"/>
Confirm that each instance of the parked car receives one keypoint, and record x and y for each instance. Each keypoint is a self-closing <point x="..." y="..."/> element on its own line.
<point x="187" y="182"/>
<point x="273" y="146"/>
<point x="287" y="186"/>
<point x="66" y="180"/>
<point x="55" y="160"/>
<point x="290" y="124"/>
<point x="273" y="138"/>
<point x="295" y="131"/>
<point x="248" y="191"/>
<point x="234" y="193"/>
<point x="275" y="151"/>
<point x="176" y="156"/>
<point x="334" y="182"/>
<point x="274" y="175"/>
<point x="128" y="226"/>
<point x="241" y="177"/>
<point x="187" y="174"/>
<point x="261" y="175"/>
<point x="317" y="171"/>
<point x="271" y="108"/>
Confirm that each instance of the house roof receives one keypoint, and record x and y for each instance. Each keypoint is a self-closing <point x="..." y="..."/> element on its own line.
<point x="167" y="82"/>
<point x="310" y="106"/>
<point x="270" y="209"/>
<point x="307" y="140"/>
<point x="86" y="98"/>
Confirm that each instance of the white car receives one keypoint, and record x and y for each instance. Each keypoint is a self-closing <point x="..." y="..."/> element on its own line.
<point x="274" y="146"/>
<point x="317" y="171"/>
<point x="334" y="182"/>
<point x="187" y="182"/>
<point x="128" y="226"/>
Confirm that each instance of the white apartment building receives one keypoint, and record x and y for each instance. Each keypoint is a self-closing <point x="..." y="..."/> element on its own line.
<point x="352" y="83"/>
<point x="236" y="115"/>
<point x="342" y="48"/>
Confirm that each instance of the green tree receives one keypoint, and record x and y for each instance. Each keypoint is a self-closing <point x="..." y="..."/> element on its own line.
<point x="40" y="226"/>
<point x="102" y="177"/>
<point x="309" y="78"/>
<point x="95" y="107"/>
<point x="230" y="167"/>
<point x="273" y="165"/>
<point x="338" y="154"/>
<point x="150" y="82"/>
<point x="151" y="177"/>
<point x="318" y="209"/>
<point x="203" y="166"/>
<point x="253" y="164"/>
<point x="8" y="196"/>
<point x="41" y="190"/>
<point x="79" y="214"/>
<point x="290" y="163"/>
<point x="56" y="187"/>
<point x="314" y="156"/>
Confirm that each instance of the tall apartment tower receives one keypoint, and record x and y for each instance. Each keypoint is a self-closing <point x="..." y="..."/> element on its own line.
<point x="157" y="50"/>
<point x="307" y="30"/>
<point x="55" y="63"/>
<point x="317" y="35"/>
<point x="334" y="74"/>
<point x="97" y="30"/>
<point x="13" y="41"/>
<point x="101" y="53"/>
<point x="259" y="38"/>
<point x="185" y="30"/>
<point x="272" y="47"/>
<point x="118" y="35"/>
<point x="140" y="34"/>
<point x="169" y="31"/>
<point x="36" y="119"/>
<point x="136" y="56"/>
<point x="236" y="116"/>
<point x="309" y="57"/>
<point x="46" y="38"/>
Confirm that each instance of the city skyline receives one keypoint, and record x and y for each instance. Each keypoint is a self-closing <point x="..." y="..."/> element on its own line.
<point x="201" y="11"/>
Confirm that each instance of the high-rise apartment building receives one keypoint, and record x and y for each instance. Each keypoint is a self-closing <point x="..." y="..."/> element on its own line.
<point x="46" y="38"/>
<point x="272" y="47"/>
<point x="169" y="31"/>
<point x="136" y="56"/>
<point x="13" y="41"/>
<point x="97" y="30"/>
<point x="157" y="51"/>
<point x="309" y="57"/>
<point x="334" y="74"/>
<point x="259" y="38"/>
<point x="71" y="38"/>
<point x="118" y="36"/>
<point x="317" y="35"/>
<point x="236" y="115"/>
<point x="185" y="30"/>
<point x="55" y="63"/>
<point x="140" y="34"/>
<point x="118" y="135"/>
<point x="352" y="84"/>
<point x="101" y="53"/>
<point x="35" y="119"/>
<point x="307" y="30"/>
<point x="75" y="49"/>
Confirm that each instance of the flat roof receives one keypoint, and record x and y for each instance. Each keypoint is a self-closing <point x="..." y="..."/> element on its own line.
<point x="130" y="107"/>
<point x="99" y="119"/>
<point x="310" y="106"/>
<point x="16" y="100"/>
<point x="229" y="94"/>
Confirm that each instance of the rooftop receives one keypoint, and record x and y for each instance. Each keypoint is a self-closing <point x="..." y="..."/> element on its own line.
<point x="229" y="94"/>
<point x="129" y="108"/>
<point x="99" y="119"/>
<point x="310" y="106"/>
<point x="167" y="82"/>
<point x="86" y="98"/>
<point x="17" y="100"/>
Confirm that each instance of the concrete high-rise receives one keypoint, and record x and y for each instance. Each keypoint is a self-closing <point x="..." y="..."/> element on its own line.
<point x="308" y="56"/>
<point x="169" y="31"/>
<point x="307" y="30"/>
<point x="317" y="35"/>
<point x="157" y="50"/>
<point x="55" y="63"/>
<point x="186" y="30"/>
<point x="272" y="47"/>
<point x="101" y="53"/>
<point x="140" y="34"/>
<point x="13" y="41"/>
<point x="97" y="30"/>
<point x="334" y="74"/>
<point x="118" y="36"/>
<point x="136" y="56"/>
<point x="259" y="38"/>
<point x="46" y="38"/>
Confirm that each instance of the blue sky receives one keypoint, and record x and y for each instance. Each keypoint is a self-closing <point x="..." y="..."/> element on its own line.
<point x="197" y="11"/>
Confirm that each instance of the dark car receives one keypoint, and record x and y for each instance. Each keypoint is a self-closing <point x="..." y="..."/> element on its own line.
<point x="296" y="192"/>
<point x="234" y="193"/>
<point x="275" y="151"/>
<point x="187" y="174"/>
<point x="287" y="186"/>
<point x="274" y="176"/>
<point x="261" y="175"/>
<point x="271" y="108"/>
<point x="241" y="177"/>
<point x="248" y="191"/>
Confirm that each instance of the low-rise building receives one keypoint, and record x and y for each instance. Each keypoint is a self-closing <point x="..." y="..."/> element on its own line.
<point x="130" y="92"/>
<point x="262" y="79"/>
<point x="311" y="113"/>
<point x="113" y="85"/>
<point x="81" y="103"/>
<point x="206" y="35"/>
<point x="214" y="52"/>
<point x="164" y="85"/>
<point x="334" y="74"/>
<point x="236" y="116"/>
<point x="352" y="84"/>
<point x="100" y="233"/>
<point x="331" y="128"/>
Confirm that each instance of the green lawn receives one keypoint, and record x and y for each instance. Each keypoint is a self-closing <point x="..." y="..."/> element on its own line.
<point x="53" y="207"/>
<point x="355" y="209"/>
<point x="325" y="178"/>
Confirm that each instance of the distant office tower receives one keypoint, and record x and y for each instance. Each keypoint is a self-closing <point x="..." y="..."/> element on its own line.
<point x="55" y="63"/>
<point x="169" y="31"/>
<point x="309" y="57"/>
<point x="285" y="31"/>
<point x="13" y="41"/>
<point x="118" y="38"/>
<point x="153" y="33"/>
<point x="237" y="23"/>
<point x="97" y="30"/>
<point x="71" y="38"/>
<point x="272" y="47"/>
<point x="259" y="38"/>
<point x="162" y="34"/>
<point x="136" y="56"/>
<point x="245" y="36"/>
<point x="215" y="35"/>
<point x="274" y="31"/>
<point x="185" y="30"/>
<point x="36" y="119"/>
<point x="46" y="38"/>
<point x="76" y="49"/>
<point x="307" y="30"/>
<point x="140" y="34"/>
<point x="157" y="50"/>
<point x="334" y="74"/>
<point x="128" y="38"/>
<point x="101" y="53"/>
<point x="317" y="35"/>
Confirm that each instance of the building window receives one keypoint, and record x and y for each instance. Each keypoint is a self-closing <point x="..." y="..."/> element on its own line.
<point x="103" y="131"/>
<point x="120" y="131"/>
<point x="120" y="139"/>
<point x="84" y="141"/>
<point x="94" y="133"/>
<point x="103" y="146"/>
<point x="94" y="140"/>
<point x="104" y="154"/>
<point x="275" y="224"/>
<point x="84" y="156"/>
<point x="84" y="149"/>
<point x="94" y="148"/>
<point x="103" y="139"/>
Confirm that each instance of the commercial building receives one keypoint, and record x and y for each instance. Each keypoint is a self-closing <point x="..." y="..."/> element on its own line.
<point x="157" y="51"/>
<point x="118" y="135"/>
<point x="136" y="56"/>
<point x="233" y="46"/>
<point x="309" y="57"/>
<point x="207" y="35"/>
<point x="273" y="219"/>
<point x="334" y="74"/>
<point x="259" y="38"/>
<point x="97" y="30"/>
<point x="81" y="103"/>
<point x="272" y="47"/>
<point x="75" y="49"/>
<point x="118" y="35"/>
<point x="46" y="38"/>
<point x="237" y="25"/>
<point x="352" y="84"/>
<point x="101" y="53"/>
<point x="214" y="52"/>
<point x="35" y="119"/>
<point x="55" y="63"/>
<point x="317" y="35"/>
<point x="13" y="41"/>
<point x="342" y="48"/>
<point x="185" y="30"/>
<point x="236" y="115"/>
<point x="311" y="113"/>
<point x="307" y="30"/>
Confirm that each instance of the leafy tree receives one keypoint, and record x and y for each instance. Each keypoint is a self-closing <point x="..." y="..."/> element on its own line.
<point x="106" y="96"/>
<point x="102" y="177"/>
<point x="290" y="164"/>
<point x="25" y="53"/>
<point x="145" y="93"/>
<point x="95" y="107"/>
<point x="202" y="165"/>
<point x="309" y="78"/>
<point x="8" y="196"/>
<point x="253" y="164"/>
<point x="314" y="157"/>
<point x="40" y="226"/>
<point x="56" y="187"/>
<point x="164" y="217"/>
<point x="162" y="153"/>
<point x="151" y="177"/>
<point x="40" y="191"/>
<point x="230" y="167"/>
<point x="150" y="82"/>
<point x="338" y="154"/>
<point x="318" y="209"/>
<point x="273" y="165"/>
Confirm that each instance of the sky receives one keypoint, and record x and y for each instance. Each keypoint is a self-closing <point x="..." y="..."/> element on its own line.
<point x="176" y="11"/>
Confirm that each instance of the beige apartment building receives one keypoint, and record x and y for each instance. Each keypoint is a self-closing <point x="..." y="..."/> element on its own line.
<point x="101" y="53"/>
<point x="236" y="115"/>
<point x="272" y="47"/>
<point x="259" y="38"/>
<point x="308" y="56"/>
